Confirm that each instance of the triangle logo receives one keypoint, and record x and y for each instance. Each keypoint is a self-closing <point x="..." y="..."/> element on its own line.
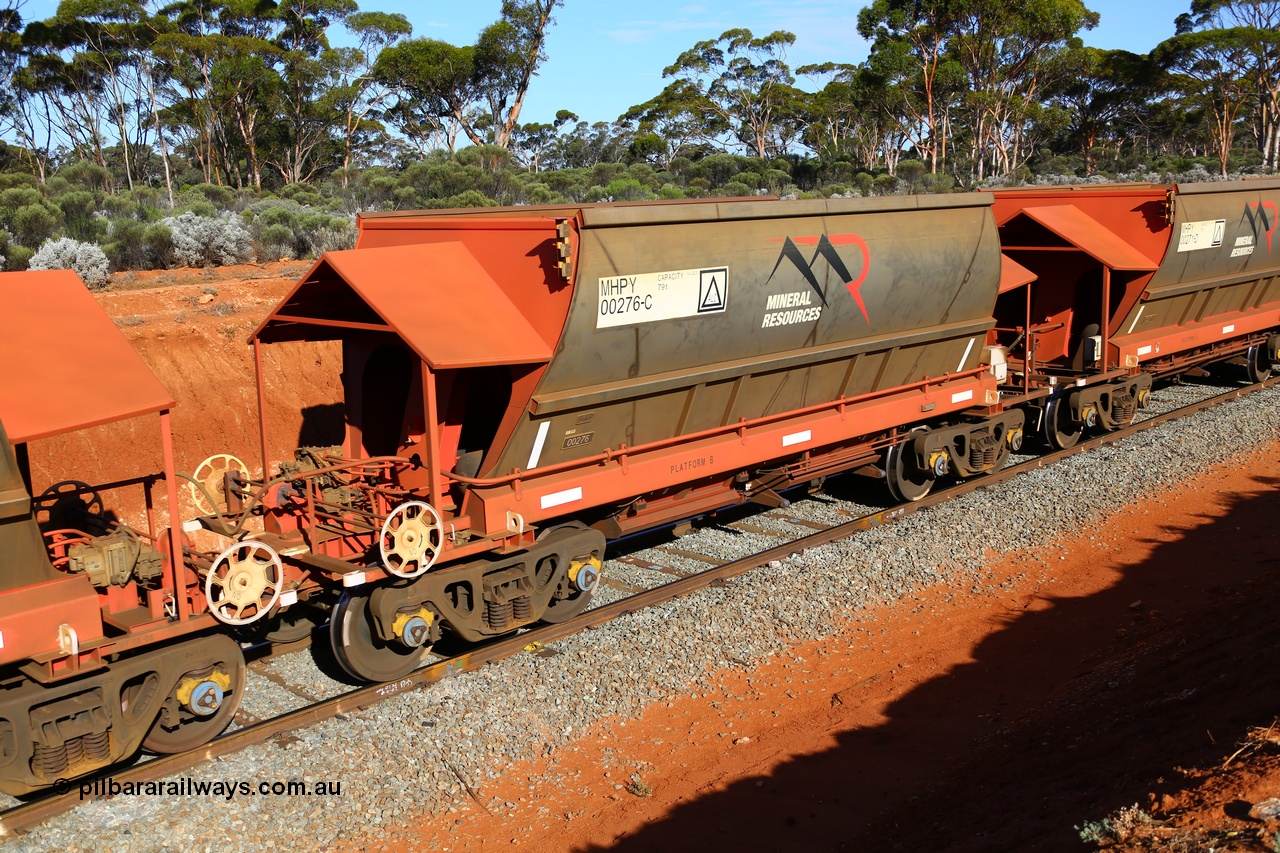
<point x="712" y="290"/>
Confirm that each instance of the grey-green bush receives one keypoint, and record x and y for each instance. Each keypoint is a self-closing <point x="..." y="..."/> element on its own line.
<point x="86" y="259"/>
<point x="204" y="241"/>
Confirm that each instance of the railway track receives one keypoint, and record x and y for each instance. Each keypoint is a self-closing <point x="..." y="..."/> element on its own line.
<point x="254" y="731"/>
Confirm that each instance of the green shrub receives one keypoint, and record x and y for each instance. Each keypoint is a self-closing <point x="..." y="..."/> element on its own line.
<point x="275" y="242"/>
<point x="126" y="248"/>
<point x="32" y="224"/>
<point x="627" y="189"/>
<point x="159" y="241"/>
<point x="88" y="175"/>
<point x="202" y="209"/>
<point x="470" y="198"/>
<point x="18" y="257"/>
<point x="79" y="209"/>
<point x="16" y="179"/>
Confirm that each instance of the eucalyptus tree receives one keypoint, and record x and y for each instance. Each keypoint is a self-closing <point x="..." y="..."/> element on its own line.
<point x="477" y="89"/>
<point x="433" y="85"/>
<point x="744" y="83"/>
<point x="857" y="112"/>
<point x="1012" y="52"/>
<point x="1217" y="67"/>
<point x="358" y="94"/>
<point x="308" y="69"/>
<point x="68" y="86"/>
<point x="26" y="103"/>
<point x="1228" y="28"/>
<point x="218" y="60"/>
<point x="1103" y="97"/>
<point x="113" y="40"/>
<point x="678" y="116"/>
<point x="910" y="53"/>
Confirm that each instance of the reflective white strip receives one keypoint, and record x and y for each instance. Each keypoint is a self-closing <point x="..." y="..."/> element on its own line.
<point x="1144" y="350"/>
<point x="961" y="396"/>
<point x="1" y="639"/>
<point x="536" y="453"/>
<point x="1137" y="317"/>
<point x="965" y="357"/>
<point x="565" y="497"/>
<point x="1226" y="330"/>
<point x="192" y="526"/>
<point x="796" y="438"/>
<point x="289" y="598"/>
<point x="353" y="579"/>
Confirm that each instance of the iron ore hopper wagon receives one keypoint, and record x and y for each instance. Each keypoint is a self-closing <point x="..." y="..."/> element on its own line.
<point x="523" y="384"/>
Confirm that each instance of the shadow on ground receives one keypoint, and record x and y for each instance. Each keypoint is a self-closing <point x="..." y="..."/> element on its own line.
<point x="1068" y="712"/>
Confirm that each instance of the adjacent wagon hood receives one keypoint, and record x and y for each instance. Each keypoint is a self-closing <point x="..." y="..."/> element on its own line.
<point x="64" y="365"/>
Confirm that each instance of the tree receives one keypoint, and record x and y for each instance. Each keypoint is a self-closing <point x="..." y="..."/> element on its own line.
<point x="1012" y="51"/>
<point x="677" y="115"/>
<point x="479" y="89"/>
<point x="859" y="113"/>
<point x="745" y="83"/>
<point x="308" y="68"/>
<point x="1254" y="26"/>
<point x="358" y="93"/>
<point x="434" y="85"/>
<point x="909" y="51"/>
<point x="1102" y="96"/>
<point x="1214" y="67"/>
<point x="508" y="54"/>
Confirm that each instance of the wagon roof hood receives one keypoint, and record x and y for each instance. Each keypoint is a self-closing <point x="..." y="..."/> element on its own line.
<point x="436" y="297"/>
<point x="64" y="365"/>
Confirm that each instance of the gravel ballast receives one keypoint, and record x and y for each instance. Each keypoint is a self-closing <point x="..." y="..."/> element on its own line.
<point x="425" y="751"/>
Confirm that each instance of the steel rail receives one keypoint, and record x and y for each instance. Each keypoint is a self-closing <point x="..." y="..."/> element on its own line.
<point x="25" y="816"/>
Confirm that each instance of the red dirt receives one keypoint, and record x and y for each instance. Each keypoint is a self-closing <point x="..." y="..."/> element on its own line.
<point x="192" y="331"/>
<point x="960" y="720"/>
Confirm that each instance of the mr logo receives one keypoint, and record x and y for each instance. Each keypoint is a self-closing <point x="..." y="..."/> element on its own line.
<point x="1257" y="213"/>
<point x="713" y="286"/>
<point x="826" y="249"/>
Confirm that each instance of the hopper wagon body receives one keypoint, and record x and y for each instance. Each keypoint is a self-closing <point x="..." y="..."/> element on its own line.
<point x="527" y="372"/>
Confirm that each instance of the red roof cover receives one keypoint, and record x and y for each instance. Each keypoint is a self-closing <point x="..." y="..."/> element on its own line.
<point x="1091" y="236"/>
<point x="64" y="365"/>
<point x="435" y="296"/>
<point x="1013" y="274"/>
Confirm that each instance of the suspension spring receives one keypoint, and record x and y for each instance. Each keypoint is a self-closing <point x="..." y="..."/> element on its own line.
<point x="75" y="750"/>
<point x="983" y="452"/>
<point x="498" y="614"/>
<point x="49" y="761"/>
<point x="97" y="746"/>
<point x="522" y="608"/>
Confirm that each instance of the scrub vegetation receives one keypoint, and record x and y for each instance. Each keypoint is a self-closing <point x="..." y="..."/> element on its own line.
<point x="207" y="132"/>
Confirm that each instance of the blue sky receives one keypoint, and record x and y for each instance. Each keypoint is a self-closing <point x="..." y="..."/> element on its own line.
<point x="605" y="56"/>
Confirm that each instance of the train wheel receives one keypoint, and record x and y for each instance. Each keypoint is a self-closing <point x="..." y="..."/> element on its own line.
<point x="574" y="592"/>
<point x="201" y="704"/>
<point x="358" y="648"/>
<point x="1060" y="430"/>
<point x="1258" y="364"/>
<point x="905" y="480"/>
